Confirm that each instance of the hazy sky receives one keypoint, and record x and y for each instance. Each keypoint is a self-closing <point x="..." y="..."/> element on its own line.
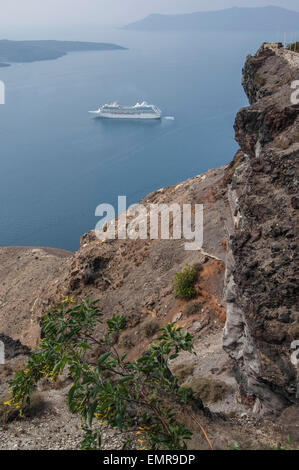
<point x="53" y="13"/>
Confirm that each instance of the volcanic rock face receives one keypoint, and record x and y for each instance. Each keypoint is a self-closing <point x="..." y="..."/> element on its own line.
<point x="262" y="320"/>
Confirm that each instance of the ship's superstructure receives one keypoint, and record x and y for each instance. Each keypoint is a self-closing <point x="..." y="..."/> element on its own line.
<point x="139" y="111"/>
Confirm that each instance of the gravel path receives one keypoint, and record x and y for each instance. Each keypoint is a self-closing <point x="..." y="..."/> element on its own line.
<point x="55" y="429"/>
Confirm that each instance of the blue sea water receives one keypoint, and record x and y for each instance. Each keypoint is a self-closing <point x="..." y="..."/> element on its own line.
<point x="58" y="163"/>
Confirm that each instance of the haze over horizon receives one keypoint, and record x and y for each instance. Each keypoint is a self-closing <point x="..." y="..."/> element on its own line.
<point x="37" y="16"/>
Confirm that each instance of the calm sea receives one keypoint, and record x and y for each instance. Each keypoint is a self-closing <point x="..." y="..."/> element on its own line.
<point x="58" y="164"/>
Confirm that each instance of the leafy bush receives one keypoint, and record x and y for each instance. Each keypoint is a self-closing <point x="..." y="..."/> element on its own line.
<point x="135" y="397"/>
<point x="183" y="283"/>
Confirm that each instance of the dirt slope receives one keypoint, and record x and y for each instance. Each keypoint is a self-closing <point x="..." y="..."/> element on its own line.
<point x="24" y="273"/>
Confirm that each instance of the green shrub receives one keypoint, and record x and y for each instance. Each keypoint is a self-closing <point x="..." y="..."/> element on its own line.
<point x="135" y="397"/>
<point x="183" y="283"/>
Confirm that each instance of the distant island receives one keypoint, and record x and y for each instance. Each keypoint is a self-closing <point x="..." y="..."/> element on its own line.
<point x="4" y="65"/>
<point x="32" y="51"/>
<point x="232" y="19"/>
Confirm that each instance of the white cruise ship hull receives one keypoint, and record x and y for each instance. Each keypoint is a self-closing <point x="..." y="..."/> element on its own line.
<point x="125" y="116"/>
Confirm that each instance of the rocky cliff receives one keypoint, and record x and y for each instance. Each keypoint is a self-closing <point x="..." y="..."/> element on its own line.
<point x="262" y="320"/>
<point x="244" y="316"/>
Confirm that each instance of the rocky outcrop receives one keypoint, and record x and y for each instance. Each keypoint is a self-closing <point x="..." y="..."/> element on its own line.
<point x="262" y="320"/>
<point x="12" y="348"/>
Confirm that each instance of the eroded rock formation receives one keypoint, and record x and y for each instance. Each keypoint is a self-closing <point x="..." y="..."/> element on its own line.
<point x="261" y="268"/>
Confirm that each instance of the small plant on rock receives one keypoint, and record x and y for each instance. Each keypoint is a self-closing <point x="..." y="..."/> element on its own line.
<point x="184" y="283"/>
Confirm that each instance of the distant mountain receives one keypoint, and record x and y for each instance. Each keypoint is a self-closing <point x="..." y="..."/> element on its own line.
<point x="31" y="51"/>
<point x="232" y="19"/>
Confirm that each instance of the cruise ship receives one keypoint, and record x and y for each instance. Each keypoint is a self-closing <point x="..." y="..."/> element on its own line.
<point x="139" y="111"/>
